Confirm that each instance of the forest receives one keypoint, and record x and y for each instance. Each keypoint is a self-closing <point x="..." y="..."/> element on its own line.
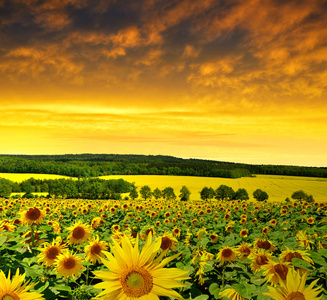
<point x="92" y="165"/>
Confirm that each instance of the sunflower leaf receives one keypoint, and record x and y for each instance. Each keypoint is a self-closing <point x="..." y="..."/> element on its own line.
<point x="300" y="263"/>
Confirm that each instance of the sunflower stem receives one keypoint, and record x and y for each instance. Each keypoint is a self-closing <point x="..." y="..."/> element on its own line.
<point x="87" y="274"/>
<point x="32" y="242"/>
<point x="223" y="276"/>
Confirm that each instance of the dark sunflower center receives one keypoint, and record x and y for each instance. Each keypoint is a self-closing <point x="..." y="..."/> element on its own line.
<point x="95" y="249"/>
<point x="33" y="214"/>
<point x="69" y="263"/>
<point x="165" y="243"/>
<point x="264" y="245"/>
<point x="281" y="270"/>
<point x="227" y="253"/>
<point x="136" y="282"/>
<point x="290" y="256"/>
<point x="262" y="260"/>
<point x="295" y="296"/>
<point x="78" y="233"/>
<point x="52" y="252"/>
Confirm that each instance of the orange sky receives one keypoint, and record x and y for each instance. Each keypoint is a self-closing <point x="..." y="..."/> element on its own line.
<point x="241" y="81"/>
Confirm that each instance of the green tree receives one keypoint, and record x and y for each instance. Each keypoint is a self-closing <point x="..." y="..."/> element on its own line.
<point x="5" y="188"/>
<point x="260" y="195"/>
<point x="184" y="193"/>
<point x="299" y="195"/>
<point x="146" y="192"/>
<point x="241" y="194"/>
<point x="207" y="193"/>
<point x="224" y="192"/>
<point x="168" y="193"/>
<point x="133" y="194"/>
<point x="157" y="193"/>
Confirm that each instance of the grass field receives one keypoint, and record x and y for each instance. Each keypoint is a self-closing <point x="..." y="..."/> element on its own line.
<point x="277" y="187"/>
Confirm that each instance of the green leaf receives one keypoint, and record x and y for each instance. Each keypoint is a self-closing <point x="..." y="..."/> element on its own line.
<point x="63" y="288"/>
<point x="3" y="239"/>
<point x="300" y="263"/>
<point x="43" y="287"/>
<point x="317" y="258"/>
<point x="323" y="252"/>
<point x="246" y="290"/>
<point x="202" y="297"/>
<point x="213" y="287"/>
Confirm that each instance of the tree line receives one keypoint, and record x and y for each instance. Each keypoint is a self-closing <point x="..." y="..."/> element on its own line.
<point x="86" y="188"/>
<point x="95" y="188"/>
<point x="93" y="165"/>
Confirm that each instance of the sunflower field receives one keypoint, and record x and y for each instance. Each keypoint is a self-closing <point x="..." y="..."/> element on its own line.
<point x="96" y="249"/>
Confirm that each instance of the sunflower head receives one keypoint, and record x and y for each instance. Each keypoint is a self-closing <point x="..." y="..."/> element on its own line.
<point x="293" y="288"/>
<point x="50" y="253"/>
<point x="275" y="271"/>
<point x="226" y="254"/>
<point x="133" y="274"/>
<point x="69" y="265"/>
<point x="259" y="259"/>
<point x="94" y="250"/>
<point x="79" y="233"/>
<point x="32" y="215"/>
<point x="15" y="289"/>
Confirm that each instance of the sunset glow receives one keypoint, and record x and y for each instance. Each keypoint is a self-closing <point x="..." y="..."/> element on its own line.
<point x="239" y="81"/>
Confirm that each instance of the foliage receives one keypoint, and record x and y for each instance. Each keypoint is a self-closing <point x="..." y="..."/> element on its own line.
<point x="168" y="193"/>
<point x="146" y="192"/>
<point x="224" y="192"/>
<point x="92" y="165"/>
<point x="260" y="195"/>
<point x="197" y="222"/>
<point x="184" y="193"/>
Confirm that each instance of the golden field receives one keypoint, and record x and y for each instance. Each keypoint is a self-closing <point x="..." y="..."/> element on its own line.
<point x="277" y="187"/>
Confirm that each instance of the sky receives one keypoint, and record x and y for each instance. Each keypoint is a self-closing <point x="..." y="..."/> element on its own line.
<point x="234" y="80"/>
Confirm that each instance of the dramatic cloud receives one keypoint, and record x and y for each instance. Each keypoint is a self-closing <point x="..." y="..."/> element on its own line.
<point x="229" y="78"/>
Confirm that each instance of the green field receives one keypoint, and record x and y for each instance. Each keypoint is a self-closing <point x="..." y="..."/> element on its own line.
<point x="277" y="187"/>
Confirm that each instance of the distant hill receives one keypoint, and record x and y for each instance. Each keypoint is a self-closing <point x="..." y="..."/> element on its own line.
<point x="92" y="165"/>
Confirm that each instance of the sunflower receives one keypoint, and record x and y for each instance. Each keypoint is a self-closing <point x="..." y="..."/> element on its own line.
<point x="294" y="288"/>
<point x="5" y="226"/>
<point x="15" y="289"/>
<point x="273" y="222"/>
<point x="259" y="259"/>
<point x="168" y="242"/>
<point x="94" y="250"/>
<point x="133" y="274"/>
<point x="32" y="215"/>
<point x="231" y="294"/>
<point x="303" y="239"/>
<point x="243" y="250"/>
<point x="79" y="233"/>
<point x="244" y="233"/>
<point x="176" y="232"/>
<point x="214" y="237"/>
<point x="264" y="244"/>
<point x="265" y="230"/>
<point x="226" y="254"/>
<point x="50" y="252"/>
<point x="310" y="220"/>
<point x="68" y="265"/>
<point x="288" y="254"/>
<point x="275" y="271"/>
